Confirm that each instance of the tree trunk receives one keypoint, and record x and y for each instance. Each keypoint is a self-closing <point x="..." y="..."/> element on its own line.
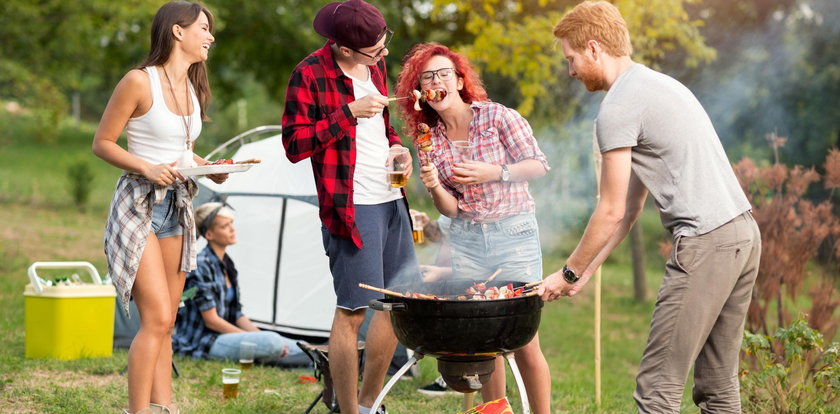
<point x="637" y="248"/>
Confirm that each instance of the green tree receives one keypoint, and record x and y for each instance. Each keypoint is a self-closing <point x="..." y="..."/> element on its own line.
<point x="514" y="39"/>
<point x="79" y="48"/>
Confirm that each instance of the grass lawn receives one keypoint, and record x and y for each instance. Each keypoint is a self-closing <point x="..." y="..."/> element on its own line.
<point x="41" y="224"/>
<point x="40" y="232"/>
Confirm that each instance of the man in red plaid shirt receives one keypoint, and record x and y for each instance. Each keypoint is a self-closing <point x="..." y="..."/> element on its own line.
<point x="336" y="114"/>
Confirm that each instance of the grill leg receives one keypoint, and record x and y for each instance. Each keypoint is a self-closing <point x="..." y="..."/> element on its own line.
<point x="523" y="395"/>
<point x="411" y="361"/>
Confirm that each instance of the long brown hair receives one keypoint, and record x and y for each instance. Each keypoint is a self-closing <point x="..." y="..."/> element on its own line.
<point x="183" y="14"/>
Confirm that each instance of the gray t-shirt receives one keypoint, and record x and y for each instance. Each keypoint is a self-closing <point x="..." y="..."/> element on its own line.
<point x="676" y="151"/>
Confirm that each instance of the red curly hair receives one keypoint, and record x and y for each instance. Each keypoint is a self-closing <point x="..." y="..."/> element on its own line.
<point x="409" y="79"/>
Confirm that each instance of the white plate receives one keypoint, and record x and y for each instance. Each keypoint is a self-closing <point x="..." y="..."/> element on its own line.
<point x="214" y="169"/>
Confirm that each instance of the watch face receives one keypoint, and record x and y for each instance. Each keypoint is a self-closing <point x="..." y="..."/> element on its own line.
<point x="569" y="275"/>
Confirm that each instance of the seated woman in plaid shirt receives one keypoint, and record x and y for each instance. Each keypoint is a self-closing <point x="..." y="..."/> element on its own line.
<point x="482" y="156"/>
<point x="212" y="324"/>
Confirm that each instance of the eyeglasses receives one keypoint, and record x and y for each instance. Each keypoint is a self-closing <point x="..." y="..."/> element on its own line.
<point x="444" y="74"/>
<point x="389" y="35"/>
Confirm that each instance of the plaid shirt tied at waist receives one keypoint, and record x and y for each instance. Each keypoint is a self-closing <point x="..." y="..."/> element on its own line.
<point x="318" y="124"/>
<point x="130" y="221"/>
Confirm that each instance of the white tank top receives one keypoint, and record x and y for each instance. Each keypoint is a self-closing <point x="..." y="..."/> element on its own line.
<point x="158" y="136"/>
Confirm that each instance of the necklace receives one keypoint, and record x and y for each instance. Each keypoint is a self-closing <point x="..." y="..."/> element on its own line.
<point x="186" y="119"/>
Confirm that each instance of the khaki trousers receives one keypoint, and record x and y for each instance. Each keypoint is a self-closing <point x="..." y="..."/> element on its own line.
<point x="699" y="319"/>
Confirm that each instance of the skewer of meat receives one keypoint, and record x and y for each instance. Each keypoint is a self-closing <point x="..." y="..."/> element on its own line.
<point x="423" y="142"/>
<point x="428" y="95"/>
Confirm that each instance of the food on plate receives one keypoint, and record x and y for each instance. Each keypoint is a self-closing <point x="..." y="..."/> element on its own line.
<point x="249" y="161"/>
<point x="220" y="161"/>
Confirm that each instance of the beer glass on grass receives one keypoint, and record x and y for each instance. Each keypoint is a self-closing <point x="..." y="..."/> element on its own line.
<point x="246" y="354"/>
<point x="230" y="382"/>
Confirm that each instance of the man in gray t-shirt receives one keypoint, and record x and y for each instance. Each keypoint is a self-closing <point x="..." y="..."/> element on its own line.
<point x="654" y="136"/>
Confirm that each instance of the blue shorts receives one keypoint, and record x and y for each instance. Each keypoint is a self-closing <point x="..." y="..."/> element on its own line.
<point x="511" y="244"/>
<point x="386" y="260"/>
<point x="165" y="218"/>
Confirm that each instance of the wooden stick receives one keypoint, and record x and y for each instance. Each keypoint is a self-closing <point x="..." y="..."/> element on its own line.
<point x="397" y="98"/>
<point x="493" y="276"/>
<point x="532" y="284"/>
<point x="531" y="293"/>
<point x="596" y="152"/>
<point x="380" y="290"/>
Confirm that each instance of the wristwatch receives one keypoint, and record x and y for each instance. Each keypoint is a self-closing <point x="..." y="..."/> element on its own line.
<point x="569" y="275"/>
<point x="505" y="173"/>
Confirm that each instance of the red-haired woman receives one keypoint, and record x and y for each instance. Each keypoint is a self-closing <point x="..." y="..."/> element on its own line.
<point x="482" y="156"/>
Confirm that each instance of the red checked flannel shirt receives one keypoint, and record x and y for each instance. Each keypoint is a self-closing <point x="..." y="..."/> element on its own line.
<point x="318" y="124"/>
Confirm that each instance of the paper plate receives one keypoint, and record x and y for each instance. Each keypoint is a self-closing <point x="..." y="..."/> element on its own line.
<point x="214" y="169"/>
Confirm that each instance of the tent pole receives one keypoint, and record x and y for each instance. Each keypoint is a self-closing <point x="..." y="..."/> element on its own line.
<point x="277" y="264"/>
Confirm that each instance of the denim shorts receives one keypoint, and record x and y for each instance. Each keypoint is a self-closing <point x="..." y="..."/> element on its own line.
<point x="165" y="218"/>
<point x="387" y="258"/>
<point x="511" y="244"/>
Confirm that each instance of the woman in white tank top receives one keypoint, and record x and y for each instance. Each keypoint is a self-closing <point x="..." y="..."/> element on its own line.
<point x="150" y="233"/>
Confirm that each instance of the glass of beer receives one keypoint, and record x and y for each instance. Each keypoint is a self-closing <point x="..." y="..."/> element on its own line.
<point x="417" y="229"/>
<point x="230" y="382"/>
<point x="399" y="158"/>
<point x="246" y="354"/>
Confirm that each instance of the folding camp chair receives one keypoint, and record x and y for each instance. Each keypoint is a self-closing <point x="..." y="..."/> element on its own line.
<point x="319" y="355"/>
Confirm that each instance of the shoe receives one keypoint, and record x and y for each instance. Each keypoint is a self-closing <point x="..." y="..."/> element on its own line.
<point x="164" y="409"/>
<point x="437" y="388"/>
<point x="380" y="410"/>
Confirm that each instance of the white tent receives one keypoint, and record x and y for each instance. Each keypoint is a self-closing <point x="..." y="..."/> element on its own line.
<point x="284" y="274"/>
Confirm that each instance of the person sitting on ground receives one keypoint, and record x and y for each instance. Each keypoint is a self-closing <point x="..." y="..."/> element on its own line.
<point x="211" y="324"/>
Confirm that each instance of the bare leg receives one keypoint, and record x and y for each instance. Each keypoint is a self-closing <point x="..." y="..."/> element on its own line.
<point x="162" y="384"/>
<point x="494" y="388"/>
<point x="155" y="321"/>
<point x="344" y="357"/>
<point x="535" y="375"/>
<point x="379" y="349"/>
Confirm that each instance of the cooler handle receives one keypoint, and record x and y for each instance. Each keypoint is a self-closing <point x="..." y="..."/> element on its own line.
<point x="36" y="281"/>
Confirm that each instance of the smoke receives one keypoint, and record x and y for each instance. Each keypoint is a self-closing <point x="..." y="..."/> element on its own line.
<point x="766" y="80"/>
<point x="565" y="196"/>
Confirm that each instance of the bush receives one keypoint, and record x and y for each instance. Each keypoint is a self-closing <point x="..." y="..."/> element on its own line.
<point x="789" y="372"/>
<point x="81" y="182"/>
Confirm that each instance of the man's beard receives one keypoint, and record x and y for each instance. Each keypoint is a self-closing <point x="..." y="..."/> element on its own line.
<point x="592" y="76"/>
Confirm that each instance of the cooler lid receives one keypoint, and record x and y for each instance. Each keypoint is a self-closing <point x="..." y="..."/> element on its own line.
<point x="84" y="290"/>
